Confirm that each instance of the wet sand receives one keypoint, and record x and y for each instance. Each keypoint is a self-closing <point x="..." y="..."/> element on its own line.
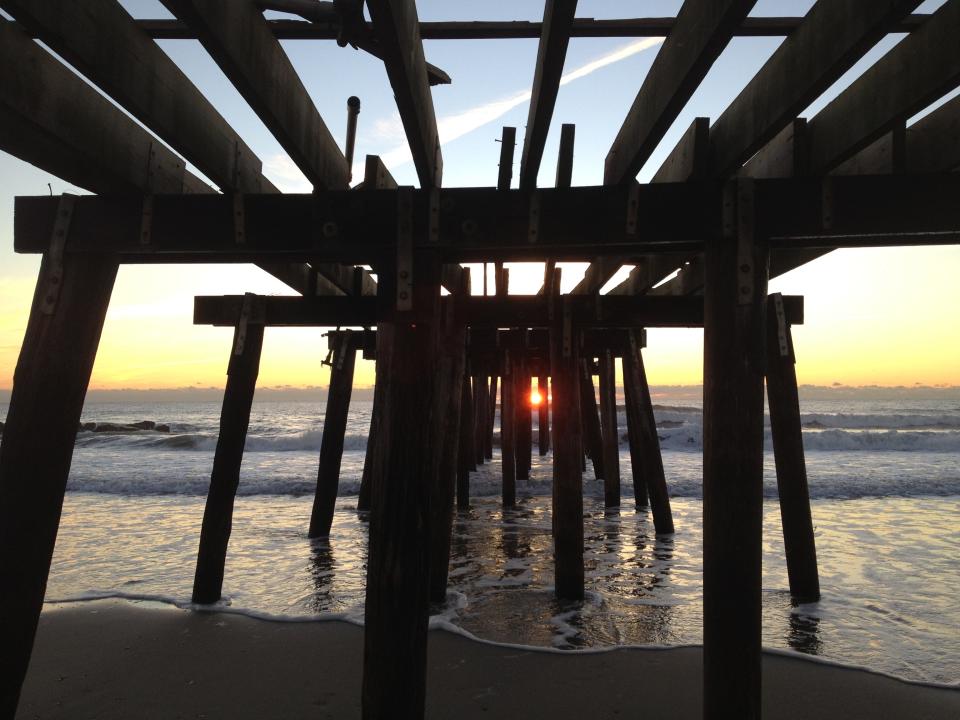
<point x="112" y="659"/>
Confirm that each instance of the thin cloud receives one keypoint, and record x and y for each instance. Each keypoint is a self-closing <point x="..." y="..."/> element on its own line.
<point x="459" y="124"/>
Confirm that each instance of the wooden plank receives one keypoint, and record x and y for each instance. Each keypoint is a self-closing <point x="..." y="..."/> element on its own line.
<point x="239" y="40"/>
<point x="702" y="30"/>
<point x="334" y="428"/>
<point x="830" y="40"/>
<point x="610" y="435"/>
<point x="798" y="538"/>
<point x="734" y="337"/>
<point x="640" y="413"/>
<point x="917" y="71"/>
<point x="225" y="478"/>
<point x="397" y="29"/>
<point x="564" y="179"/>
<point x="514" y="29"/>
<point x="558" y="18"/>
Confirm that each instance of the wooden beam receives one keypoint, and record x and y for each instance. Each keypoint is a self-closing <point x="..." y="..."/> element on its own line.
<point x="476" y="224"/>
<point x="832" y="37"/>
<point x="702" y="31"/>
<point x="477" y="311"/>
<point x="917" y="71"/>
<point x="102" y="41"/>
<point x="513" y="29"/>
<point x="932" y="142"/>
<point x="397" y="29"/>
<point x="552" y="52"/>
<point x="239" y="40"/>
<point x="610" y="432"/>
<point x="508" y="143"/>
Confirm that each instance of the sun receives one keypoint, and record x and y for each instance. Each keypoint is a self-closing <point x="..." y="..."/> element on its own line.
<point x="535" y="398"/>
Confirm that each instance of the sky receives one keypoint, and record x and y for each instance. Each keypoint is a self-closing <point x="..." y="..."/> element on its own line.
<point x="873" y="317"/>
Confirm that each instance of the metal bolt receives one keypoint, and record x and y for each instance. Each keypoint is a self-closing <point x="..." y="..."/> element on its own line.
<point x="404" y="274"/>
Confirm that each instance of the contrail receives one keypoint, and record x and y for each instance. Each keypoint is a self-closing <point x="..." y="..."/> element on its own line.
<point x="455" y="126"/>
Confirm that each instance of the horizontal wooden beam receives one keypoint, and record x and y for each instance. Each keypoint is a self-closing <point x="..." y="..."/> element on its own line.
<point x="506" y="311"/>
<point x="485" y="224"/>
<point x="513" y="29"/>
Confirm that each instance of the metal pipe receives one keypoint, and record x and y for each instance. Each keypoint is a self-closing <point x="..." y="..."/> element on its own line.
<point x="353" y="110"/>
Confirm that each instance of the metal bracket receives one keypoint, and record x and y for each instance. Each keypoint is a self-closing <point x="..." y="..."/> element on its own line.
<point x="533" y="225"/>
<point x="53" y="260"/>
<point x="782" y="339"/>
<point x="746" y="236"/>
<point x="239" y="220"/>
<point x="405" y="249"/>
<point x="146" y="220"/>
<point x="827" y="203"/>
<point x="633" y="208"/>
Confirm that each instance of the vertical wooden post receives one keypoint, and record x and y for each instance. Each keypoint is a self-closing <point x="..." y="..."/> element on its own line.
<point x="234" y="419"/>
<point x="334" y="429"/>
<point x="491" y="419"/>
<point x="649" y="459"/>
<point x="452" y="359"/>
<point x="609" y="432"/>
<point x="481" y="404"/>
<point x="735" y="290"/>
<point x="523" y="419"/>
<point x="397" y="598"/>
<point x="466" y="451"/>
<point x="49" y="386"/>
<point x="363" y="497"/>
<point x="567" y="480"/>
<point x="590" y="420"/>
<point x="640" y="497"/>
<point x="784" y="402"/>
<point x="508" y="430"/>
<point x="543" y="417"/>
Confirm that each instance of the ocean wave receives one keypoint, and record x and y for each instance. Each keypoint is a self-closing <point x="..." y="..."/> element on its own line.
<point x="308" y="440"/>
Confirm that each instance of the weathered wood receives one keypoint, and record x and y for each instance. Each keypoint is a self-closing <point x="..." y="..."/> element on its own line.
<point x="397" y="30"/>
<point x="225" y="477"/>
<point x="543" y="416"/>
<point x="785" y="427"/>
<point x="640" y="496"/>
<point x="49" y="386"/>
<point x="610" y="436"/>
<point x="567" y="478"/>
<point x="334" y="428"/>
<point x="466" y="451"/>
<point x="397" y="598"/>
<point x="514" y="29"/>
<point x="640" y="413"/>
<point x="508" y="142"/>
<point x="590" y="421"/>
<point x="450" y="385"/>
<point x="829" y="41"/>
<point x="238" y="38"/>
<point x="558" y="16"/>
<point x="508" y="431"/>
<point x="523" y="419"/>
<point x="734" y="345"/>
<point x="702" y="31"/>
<point x="481" y="405"/>
<point x="491" y="419"/>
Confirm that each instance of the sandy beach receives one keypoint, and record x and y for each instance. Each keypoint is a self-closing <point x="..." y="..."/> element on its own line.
<point x="113" y="659"/>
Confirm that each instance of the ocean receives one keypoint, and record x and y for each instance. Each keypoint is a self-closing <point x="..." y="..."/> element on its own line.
<point x="884" y="479"/>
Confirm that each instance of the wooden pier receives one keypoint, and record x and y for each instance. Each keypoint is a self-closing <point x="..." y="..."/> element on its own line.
<point x="742" y="198"/>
